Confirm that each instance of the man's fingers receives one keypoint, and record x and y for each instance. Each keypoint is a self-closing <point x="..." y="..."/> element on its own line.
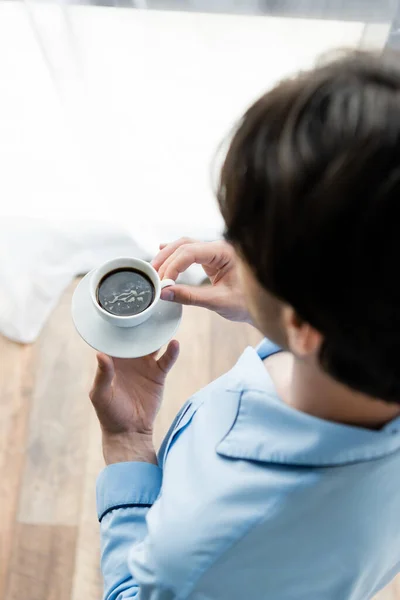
<point x="205" y="296"/>
<point x="169" y="358"/>
<point x="104" y="376"/>
<point x="207" y="254"/>
<point x="167" y="249"/>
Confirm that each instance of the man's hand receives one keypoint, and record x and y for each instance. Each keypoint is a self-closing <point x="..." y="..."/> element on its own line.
<point x="126" y="395"/>
<point x="219" y="262"/>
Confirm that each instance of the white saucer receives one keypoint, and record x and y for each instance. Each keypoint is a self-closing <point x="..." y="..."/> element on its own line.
<point x="130" y="342"/>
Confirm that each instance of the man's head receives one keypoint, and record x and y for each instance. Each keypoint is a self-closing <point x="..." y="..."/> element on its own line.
<point x="310" y="193"/>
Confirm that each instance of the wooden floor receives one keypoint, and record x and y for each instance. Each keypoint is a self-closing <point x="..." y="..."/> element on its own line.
<point x="50" y="450"/>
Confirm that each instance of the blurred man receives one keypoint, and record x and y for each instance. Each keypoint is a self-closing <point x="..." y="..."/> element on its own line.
<point x="280" y="480"/>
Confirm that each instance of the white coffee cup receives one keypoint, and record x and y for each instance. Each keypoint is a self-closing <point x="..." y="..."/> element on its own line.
<point x="128" y="263"/>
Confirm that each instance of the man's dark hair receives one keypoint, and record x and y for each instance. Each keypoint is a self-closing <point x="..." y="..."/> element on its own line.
<point x="310" y="194"/>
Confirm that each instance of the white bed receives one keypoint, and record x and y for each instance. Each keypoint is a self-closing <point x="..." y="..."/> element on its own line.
<point x="113" y="116"/>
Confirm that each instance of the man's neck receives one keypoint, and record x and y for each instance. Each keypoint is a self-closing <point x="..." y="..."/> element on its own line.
<point x="306" y="388"/>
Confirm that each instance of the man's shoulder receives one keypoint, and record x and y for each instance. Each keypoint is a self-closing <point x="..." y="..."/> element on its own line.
<point x="247" y="480"/>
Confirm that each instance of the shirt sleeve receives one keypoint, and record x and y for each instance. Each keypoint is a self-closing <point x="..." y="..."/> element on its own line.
<point x="125" y="492"/>
<point x="137" y="553"/>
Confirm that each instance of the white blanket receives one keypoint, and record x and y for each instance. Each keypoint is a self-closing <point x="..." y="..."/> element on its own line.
<point x="38" y="260"/>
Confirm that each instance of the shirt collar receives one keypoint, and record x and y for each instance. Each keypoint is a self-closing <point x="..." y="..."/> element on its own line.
<point x="267" y="430"/>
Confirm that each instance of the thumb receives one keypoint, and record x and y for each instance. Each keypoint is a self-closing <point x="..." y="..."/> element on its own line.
<point x="104" y="376"/>
<point x="205" y="296"/>
<point x="169" y="358"/>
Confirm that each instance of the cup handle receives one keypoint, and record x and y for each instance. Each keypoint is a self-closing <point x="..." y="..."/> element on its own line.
<point x="166" y="283"/>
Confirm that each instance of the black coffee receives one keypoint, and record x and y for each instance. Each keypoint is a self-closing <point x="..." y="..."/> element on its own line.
<point x="125" y="292"/>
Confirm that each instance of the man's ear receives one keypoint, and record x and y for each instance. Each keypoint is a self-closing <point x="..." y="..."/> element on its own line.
<point x="302" y="339"/>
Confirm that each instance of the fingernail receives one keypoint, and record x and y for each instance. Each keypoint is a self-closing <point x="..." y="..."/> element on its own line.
<point x="168" y="295"/>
